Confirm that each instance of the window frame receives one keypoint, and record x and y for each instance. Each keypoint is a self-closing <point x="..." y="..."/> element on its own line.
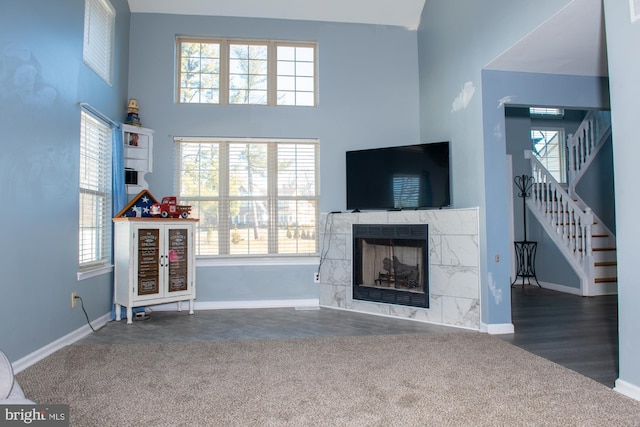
<point x="224" y="68"/>
<point x="562" y="151"/>
<point x="224" y="228"/>
<point x="99" y="56"/>
<point x="95" y="137"/>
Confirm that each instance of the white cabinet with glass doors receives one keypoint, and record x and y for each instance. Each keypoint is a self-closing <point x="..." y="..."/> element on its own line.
<point x="154" y="263"/>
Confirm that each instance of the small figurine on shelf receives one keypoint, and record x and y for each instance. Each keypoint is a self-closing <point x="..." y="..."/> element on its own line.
<point x="132" y="113"/>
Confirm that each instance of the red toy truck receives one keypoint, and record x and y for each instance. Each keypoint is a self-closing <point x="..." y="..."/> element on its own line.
<point x="170" y="208"/>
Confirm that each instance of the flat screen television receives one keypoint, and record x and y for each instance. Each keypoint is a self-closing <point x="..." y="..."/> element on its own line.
<point x="402" y="177"/>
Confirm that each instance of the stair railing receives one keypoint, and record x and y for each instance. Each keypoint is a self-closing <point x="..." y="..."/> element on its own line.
<point x="572" y="225"/>
<point x="585" y="143"/>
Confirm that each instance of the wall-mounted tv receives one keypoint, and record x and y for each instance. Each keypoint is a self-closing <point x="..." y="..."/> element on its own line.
<point x="402" y="177"/>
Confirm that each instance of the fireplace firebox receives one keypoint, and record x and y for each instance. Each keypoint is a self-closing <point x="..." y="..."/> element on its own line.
<point x="390" y="263"/>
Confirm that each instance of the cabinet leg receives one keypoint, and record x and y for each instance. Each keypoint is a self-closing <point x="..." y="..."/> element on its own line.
<point x="129" y="316"/>
<point x="179" y="305"/>
<point x="190" y="306"/>
<point x="118" y="310"/>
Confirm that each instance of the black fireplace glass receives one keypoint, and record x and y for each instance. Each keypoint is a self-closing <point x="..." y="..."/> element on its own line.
<point x="390" y="264"/>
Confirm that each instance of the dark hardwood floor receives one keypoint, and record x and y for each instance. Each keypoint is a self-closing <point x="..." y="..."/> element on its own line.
<point x="579" y="333"/>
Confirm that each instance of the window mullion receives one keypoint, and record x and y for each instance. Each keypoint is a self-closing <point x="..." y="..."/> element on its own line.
<point x="224" y="72"/>
<point x="224" y="231"/>
<point x="272" y="70"/>
<point x="272" y="189"/>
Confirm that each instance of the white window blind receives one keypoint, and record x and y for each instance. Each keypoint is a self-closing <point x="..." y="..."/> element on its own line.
<point x="99" y="28"/>
<point x="549" y="113"/>
<point x="253" y="197"/>
<point x="95" y="193"/>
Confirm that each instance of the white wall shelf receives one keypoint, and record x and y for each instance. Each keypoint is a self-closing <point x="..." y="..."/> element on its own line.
<point x="138" y="156"/>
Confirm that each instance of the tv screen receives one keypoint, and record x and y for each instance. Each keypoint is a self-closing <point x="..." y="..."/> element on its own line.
<point x="402" y="177"/>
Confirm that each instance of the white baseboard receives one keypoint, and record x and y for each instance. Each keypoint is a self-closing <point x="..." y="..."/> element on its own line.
<point x="221" y="305"/>
<point x="604" y="289"/>
<point x="561" y="288"/>
<point x="597" y="290"/>
<point x="23" y="363"/>
<point x="497" y="328"/>
<point x="628" y="389"/>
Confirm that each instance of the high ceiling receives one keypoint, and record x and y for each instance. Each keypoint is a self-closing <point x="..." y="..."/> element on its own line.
<point x="404" y="13"/>
<point x="571" y="42"/>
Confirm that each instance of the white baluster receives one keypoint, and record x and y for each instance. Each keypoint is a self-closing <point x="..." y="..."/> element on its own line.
<point x="588" y="224"/>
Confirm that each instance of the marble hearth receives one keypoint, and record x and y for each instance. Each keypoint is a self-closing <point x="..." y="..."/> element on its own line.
<point x="454" y="278"/>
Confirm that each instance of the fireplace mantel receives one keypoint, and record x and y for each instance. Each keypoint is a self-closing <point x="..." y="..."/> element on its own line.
<point x="454" y="280"/>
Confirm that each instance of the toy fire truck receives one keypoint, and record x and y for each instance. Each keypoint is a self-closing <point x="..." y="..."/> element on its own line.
<point x="170" y="208"/>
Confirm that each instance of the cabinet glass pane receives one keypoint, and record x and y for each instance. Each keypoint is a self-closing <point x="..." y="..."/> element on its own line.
<point x="178" y="256"/>
<point x="148" y="265"/>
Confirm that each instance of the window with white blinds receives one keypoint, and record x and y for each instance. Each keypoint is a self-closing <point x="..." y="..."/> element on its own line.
<point x="95" y="193"/>
<point x="99" y="28"/>
<point x="254" y="197"/>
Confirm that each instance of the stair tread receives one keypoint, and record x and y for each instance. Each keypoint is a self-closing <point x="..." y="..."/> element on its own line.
<point x="606" y="279"/>
<point x="605" y="263"/>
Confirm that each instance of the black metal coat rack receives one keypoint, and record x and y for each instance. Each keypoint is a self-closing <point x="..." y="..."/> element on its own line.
<point x="525" y="249"/>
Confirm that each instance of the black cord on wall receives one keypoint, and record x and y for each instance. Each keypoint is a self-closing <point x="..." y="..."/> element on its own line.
<point x="85" y="312"/>
<point x="324" y="252"/>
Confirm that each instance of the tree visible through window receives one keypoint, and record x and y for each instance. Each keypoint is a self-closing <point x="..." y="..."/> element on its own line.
<point x="253" y="197"/>
<point x="256" y="72"/>
<point x="248" y="74"/>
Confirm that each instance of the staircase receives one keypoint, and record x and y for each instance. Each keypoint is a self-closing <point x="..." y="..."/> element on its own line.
<point x="587" y="244"/>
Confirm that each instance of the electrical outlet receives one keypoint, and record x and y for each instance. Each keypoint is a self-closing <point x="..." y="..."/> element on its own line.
<point x="73" y="299"/>
<point x="316" y="277"/>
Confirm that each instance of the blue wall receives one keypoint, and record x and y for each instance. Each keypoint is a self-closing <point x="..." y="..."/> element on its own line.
<point x="368" y="77"/>
<point x="456" y="40"/>
<point x="42" y="80"/>
<point x="597" y="187"/>
<point x="624" y="69"/>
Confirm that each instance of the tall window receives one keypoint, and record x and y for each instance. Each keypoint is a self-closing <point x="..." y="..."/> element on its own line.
<point x="255" y="72"/>
<point x="99" y="28"/>
<point x="95" y="193"/>
<point x="253" y="197"/>
<point x="549" y="148"/>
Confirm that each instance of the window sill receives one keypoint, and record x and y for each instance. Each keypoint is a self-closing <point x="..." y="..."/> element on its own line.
<point x="87" y="274"/>
<point x="250" y="261"/>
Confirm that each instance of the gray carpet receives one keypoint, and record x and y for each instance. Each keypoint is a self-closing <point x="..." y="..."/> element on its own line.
<point x="459" y="379"/>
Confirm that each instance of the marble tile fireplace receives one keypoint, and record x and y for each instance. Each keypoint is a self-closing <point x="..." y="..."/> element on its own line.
<point x="390" y="264"/>
<point x="451" y="270"/>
